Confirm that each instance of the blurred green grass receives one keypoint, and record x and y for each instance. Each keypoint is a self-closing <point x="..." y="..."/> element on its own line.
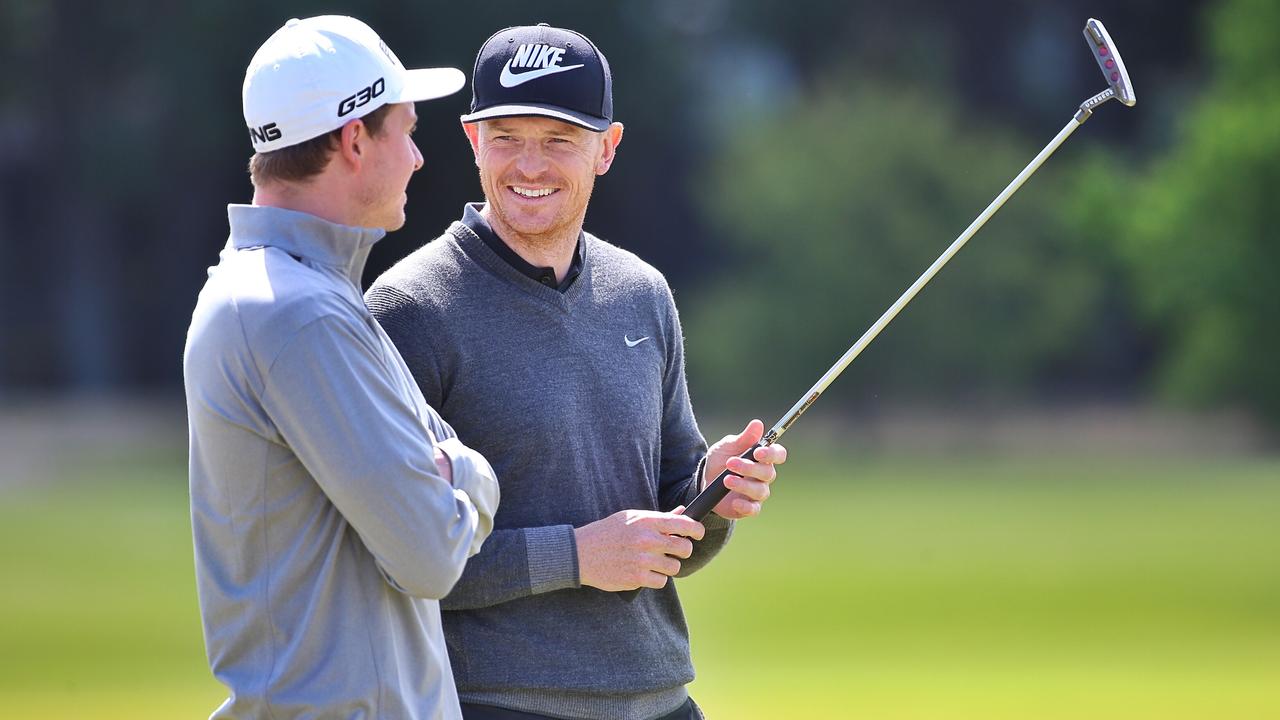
<point x="885" y="587"/>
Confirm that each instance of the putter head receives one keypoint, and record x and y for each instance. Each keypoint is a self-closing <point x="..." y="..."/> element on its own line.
<point x="1104" y="51"/>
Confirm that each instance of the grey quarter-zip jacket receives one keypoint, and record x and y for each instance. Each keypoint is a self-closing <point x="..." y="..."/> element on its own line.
<point x="324" y="533"/>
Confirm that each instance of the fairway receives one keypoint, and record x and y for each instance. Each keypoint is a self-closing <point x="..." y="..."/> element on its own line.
<point x="999" y="589"/>
<point x="907" y="588"/>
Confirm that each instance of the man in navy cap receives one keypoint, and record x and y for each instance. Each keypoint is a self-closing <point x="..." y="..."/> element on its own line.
<point x="560" y="357"/>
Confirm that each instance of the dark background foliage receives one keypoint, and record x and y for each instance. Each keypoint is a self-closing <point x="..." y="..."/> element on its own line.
<point x="790" y="166"/>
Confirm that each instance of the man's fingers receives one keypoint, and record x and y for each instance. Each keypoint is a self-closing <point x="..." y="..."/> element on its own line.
<point x="750" y="435"/>
<point x="757" y="490"/>
<point x="444" y="465"/>
<point x="765" y="457"/>
<point x="667" y="566"/>
<point x="654" y="580"/>
<point x="764" y="472"/>
<point x="678" y="546"/>
<point x="773" y="455"/>
<point x="679" y="525"/>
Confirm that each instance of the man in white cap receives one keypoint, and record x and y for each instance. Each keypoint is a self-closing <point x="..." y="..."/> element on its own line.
<point x="330" y="506"/>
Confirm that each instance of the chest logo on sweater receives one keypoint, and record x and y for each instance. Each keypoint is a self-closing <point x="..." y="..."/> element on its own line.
<point x="632" y="343"/>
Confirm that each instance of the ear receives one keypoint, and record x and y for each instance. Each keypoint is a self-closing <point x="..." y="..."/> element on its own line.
<point x="472" y="131"/>
<point x="352" y="145"/>
<point x="611" y="138"/>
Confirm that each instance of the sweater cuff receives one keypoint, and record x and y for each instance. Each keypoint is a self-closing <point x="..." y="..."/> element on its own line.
<point x="713" y="522"/>
<point x="696" y="485"/>
<point x="552" y="554"/>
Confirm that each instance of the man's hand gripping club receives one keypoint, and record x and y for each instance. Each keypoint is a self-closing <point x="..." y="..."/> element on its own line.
<point x="632" y="549"/>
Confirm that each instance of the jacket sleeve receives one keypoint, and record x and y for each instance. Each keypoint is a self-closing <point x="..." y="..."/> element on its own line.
<point x="473" y="476"/>
<point x="339" y="410"/>
<point x="683" y="448"/>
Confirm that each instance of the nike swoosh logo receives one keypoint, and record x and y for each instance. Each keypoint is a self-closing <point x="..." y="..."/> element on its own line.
<point x="509" y="79"/>
<point x="633" y="343"/>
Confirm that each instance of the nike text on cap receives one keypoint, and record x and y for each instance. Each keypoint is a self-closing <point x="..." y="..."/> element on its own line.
<point x="315" y="75"/>
<point x="542" y="70"/>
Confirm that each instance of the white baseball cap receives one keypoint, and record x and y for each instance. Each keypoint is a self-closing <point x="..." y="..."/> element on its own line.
<point x="315" y="75"/>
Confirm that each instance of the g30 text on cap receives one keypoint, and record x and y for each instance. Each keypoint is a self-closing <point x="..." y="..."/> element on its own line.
<point x="314" y="75"/>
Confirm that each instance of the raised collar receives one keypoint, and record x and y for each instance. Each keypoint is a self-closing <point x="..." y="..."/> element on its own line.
<point x="301" y="235"/>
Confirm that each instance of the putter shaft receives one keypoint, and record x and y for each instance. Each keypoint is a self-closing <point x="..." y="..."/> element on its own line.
<point x="715" y="492"/>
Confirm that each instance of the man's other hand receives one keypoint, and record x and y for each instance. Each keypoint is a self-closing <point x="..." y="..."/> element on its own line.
<point x="750" y="481"/>
<point x="634" y="549"/>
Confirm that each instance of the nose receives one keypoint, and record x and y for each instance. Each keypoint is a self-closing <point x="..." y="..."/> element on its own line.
<point x="531" y="162"/>
<point x="417" y="156"/>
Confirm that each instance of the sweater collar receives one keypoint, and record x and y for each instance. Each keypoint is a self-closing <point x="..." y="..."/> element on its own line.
<point x="475" y="221"/>
<point x="301" y="235"/>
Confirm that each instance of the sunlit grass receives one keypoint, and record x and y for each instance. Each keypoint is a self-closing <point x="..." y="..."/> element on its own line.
<point x="998" y="589"/>
<point x="98" y="604"/>
<point x="900" y="588"/>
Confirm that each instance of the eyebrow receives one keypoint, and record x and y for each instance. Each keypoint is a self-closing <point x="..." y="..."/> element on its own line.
<point x="500" y="127"/>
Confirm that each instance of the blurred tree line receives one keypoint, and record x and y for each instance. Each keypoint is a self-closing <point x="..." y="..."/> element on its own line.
<point x="1200" y="223"/>
<point x="790" y="166"/>
<point x="1138" y="260"/>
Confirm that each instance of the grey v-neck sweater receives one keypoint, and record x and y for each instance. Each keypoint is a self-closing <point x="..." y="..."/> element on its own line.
<point x="578" y="399"/>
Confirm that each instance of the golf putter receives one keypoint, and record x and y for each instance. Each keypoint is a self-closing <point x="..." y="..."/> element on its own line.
<point x="1118" y="87"/>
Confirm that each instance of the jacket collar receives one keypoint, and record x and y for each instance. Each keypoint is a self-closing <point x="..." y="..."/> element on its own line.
<point x="342" y="247"/>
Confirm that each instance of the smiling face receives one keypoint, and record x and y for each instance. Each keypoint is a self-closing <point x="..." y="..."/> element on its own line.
<point x="537" y="174"/>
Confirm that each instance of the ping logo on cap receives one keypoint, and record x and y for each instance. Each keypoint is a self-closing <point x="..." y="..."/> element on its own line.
<point x="542" y="58"/>
<point x="266" y="133"/>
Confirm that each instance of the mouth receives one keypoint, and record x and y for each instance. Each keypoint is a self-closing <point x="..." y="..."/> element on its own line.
<point x="530" y="193"/>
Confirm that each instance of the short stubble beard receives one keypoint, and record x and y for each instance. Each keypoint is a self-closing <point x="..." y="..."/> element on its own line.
<point x="560" y="233"/>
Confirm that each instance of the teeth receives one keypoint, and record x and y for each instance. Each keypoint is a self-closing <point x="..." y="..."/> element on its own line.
<point x="531" y="193"/>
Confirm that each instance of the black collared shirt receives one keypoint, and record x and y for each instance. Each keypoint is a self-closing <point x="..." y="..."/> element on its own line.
<point x="472" y="218"/>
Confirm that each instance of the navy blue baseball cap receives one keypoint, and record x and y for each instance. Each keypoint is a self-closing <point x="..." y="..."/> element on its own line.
<point x="544" y="71"/>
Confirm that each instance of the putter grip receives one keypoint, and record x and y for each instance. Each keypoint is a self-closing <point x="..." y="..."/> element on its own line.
<point x="712" y="494"/>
